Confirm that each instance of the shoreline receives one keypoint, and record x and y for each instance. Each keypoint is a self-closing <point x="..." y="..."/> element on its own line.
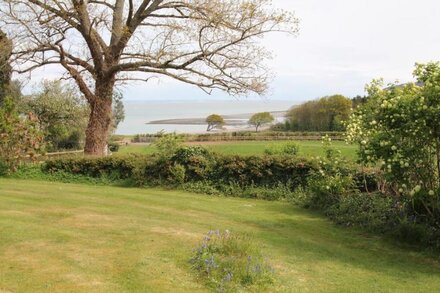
<point x="230" y="120"/>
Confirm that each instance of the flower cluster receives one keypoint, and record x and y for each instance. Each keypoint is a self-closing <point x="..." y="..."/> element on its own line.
<point x="231" y="262"/>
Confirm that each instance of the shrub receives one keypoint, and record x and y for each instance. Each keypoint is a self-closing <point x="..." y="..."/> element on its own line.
<point x="263" y="171"/>
<point x="113" y="147"/>
<point x="397" y="130"/>
<point x="203" y="187"/>
<point x="168" y="144"/>
<point x="177" y="174"/>
<point x="373" y="212"/>
<point x="323" y="192"/>
<point x="120" y="167"/>
<point x="198" y="162"/>
<point x="4" y="168"/>
<point x="20" y="138"/>
<point x="278" y="192"/>
<point x="290" y="148"/>
<point x="333" y="180"/>
<point x="230" y="263"/>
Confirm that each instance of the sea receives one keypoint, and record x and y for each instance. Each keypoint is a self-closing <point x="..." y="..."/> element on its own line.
<point x="139" y="113"/>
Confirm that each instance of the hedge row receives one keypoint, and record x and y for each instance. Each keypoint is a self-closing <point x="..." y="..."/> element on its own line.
<point x="241" y="170"/>
<point x="245" y="135"/>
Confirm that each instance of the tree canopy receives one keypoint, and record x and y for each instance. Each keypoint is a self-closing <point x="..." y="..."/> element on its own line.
<point x="259" y="119"/>
<point x="214" y="121"/>
<point x="62" y="114"/>
<point x="211" y="44"/>
<point x="324" y="114"/>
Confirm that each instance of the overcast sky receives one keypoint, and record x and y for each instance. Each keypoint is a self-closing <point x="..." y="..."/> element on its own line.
<point x="342" y="45"/>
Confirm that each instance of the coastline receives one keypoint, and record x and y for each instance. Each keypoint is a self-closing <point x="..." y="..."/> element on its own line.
<point x="230" y="120"/>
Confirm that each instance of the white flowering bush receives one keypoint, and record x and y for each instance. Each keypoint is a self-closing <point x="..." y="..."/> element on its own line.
<point x="398" y="130"/>
<point x="333" y="180"/>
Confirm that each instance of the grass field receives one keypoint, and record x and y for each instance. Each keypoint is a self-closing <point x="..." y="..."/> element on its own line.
<point x="307" y="148"/>
<point x="79" y="238"/>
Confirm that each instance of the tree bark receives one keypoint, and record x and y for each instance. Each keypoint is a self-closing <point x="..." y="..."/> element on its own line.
<point x="100" y="120"/>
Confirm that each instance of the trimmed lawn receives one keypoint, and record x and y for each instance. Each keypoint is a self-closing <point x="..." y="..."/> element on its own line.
<point x="307" y="148"/>
<point x="57" y="237"/>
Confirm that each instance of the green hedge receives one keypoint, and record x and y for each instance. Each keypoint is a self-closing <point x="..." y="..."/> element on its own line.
<point x="245" y="136"/>
<point x="205" y="166"/>
<point x="115" y="167"/>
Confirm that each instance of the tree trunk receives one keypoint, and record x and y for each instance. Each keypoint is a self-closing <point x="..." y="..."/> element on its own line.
<point x="99" y="120"/>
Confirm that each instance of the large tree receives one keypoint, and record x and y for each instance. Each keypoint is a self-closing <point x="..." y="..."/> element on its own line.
<point x="211" y="44"/>
<point x="5" y="68"/>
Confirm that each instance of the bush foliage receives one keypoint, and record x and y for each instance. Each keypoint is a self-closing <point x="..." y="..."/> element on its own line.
<point x="20" y="137"/>
<point x="195" y="166"/>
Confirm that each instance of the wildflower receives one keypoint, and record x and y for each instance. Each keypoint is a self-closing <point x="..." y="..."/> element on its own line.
<point x="228" y="277"/>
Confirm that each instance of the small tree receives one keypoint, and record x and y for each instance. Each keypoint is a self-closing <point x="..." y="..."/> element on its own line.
<point x="167" y="144"/>
<point x="260" y="119"/>
<point x="118" y="110"/>
<point x="19" y="137"/>
<point x="62" y="114"/>
<point x="214" y="121"/>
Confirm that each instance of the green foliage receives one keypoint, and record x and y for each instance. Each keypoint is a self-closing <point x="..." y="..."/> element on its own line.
<point x="259" y="119"/>
<point x="230" y="175"/>
<point x="62" y="114"/>
<point x="202" y="187"/>
<point x="214" y="121"/>
<point x="373" y="212"/>
<point x="272" y="193"/>
<point x="397" y="129"/>
<point x="118" y="111"/>
<point x="113" y="147"/>
<point x="35" y="172"/>
<point x="121" y="167"/>
<point x="5" y="67"/>
<point x="324" y="114"/>
<point x="333" y="179"/>
<point x="177" y="174"/>
<point x="229" y="262"/>
<point x="335" y="189"/>
<point x="167" y="144"/>
<point x="20" y="138"/>
<point x="245" y="136"/>
<point x="4" y="168"/>
<point x="290" y="148"/>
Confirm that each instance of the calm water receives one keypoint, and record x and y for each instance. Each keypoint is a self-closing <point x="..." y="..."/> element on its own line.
<point x="137" y="114"/>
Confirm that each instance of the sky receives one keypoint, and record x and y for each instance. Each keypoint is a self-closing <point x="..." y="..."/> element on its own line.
<point x="342" y="45"/>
